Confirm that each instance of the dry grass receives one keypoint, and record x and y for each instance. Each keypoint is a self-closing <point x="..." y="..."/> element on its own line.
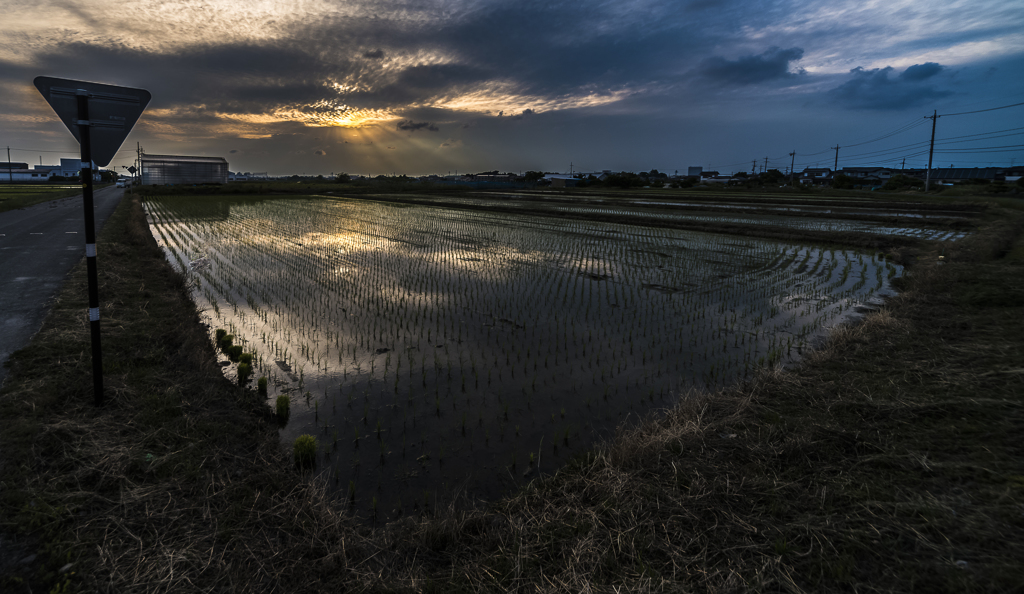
<point x="888" y="462"/>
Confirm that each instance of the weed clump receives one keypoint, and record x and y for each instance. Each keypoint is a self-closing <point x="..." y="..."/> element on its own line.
<point x="245" y="358"/>
<point x="305" y="451"/>
<point x="234" y="352"/>
<point x="261" y="386"/>
<point x="225" y="341"/>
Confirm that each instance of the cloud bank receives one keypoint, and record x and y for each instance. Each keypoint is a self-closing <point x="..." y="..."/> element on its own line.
<point x="877" y="89"/>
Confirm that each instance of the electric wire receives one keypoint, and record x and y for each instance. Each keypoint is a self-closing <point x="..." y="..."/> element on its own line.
<point x="943" y="115"/>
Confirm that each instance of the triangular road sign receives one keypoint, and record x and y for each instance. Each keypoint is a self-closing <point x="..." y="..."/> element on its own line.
<point x="113" y="111"/>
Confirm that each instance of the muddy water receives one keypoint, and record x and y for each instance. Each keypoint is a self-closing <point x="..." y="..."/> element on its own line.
<point x="436" y="351"/>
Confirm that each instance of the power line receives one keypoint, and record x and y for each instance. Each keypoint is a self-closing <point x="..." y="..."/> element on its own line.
<point x="905" y="128"/>
<point x="980" y="110"/>
<point x="985" y="149"/>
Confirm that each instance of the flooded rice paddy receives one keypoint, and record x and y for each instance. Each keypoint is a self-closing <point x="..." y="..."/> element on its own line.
<point x="432" y="350"/>
<point x="819" y="215"/>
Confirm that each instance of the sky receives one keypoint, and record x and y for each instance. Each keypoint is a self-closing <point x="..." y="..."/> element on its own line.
<point x="415" y="87"/>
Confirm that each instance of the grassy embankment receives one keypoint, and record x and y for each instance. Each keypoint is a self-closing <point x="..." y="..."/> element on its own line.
<point x="889" y="461"/>
<point x="24" y="195"/>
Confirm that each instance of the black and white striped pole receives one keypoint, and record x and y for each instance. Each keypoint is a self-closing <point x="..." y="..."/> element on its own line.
<point x="100" y="117"/>
<point x="84" y="130"/>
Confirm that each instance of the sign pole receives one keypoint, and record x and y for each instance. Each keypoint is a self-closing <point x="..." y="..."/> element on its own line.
<point x="100" y="117"/>
<point x="84" y="128"/>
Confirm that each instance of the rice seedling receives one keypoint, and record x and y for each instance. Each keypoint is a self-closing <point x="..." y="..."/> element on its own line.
<point x="304" y="448"/>
<point x="244" y="371"/>
<point x="283" y="407"/>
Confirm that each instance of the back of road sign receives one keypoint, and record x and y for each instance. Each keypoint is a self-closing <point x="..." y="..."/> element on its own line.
<point x="113" y="111"/>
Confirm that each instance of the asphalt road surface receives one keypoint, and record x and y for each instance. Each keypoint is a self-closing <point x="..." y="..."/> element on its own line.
<point x="38" y="246"/>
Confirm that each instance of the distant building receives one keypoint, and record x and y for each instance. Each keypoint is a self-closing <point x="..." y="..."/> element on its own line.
<point x="963" y="174"/>
<point x="868" y="174"/>
<point x="49" y="169"/>
<point x="69" y="168"/>
<point x="561" y="180"/>
<point x="22" y="175"/>
<point x="815" y="175"/>
<point x="173" y="169"/>
<point x="694" y="171"/>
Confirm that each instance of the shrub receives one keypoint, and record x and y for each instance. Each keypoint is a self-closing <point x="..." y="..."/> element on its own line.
<point x="226" y="342"/>
<point x="234" y="352"/>
<point x="221" y="333"/>
<point x="245" y="358"/>
<point x="305" y="451"/>
<point x="283" y="405"/>
<point x="261" y="386"/>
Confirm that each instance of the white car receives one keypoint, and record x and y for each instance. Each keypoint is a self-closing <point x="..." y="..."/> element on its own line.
<point x="121" y="183"/>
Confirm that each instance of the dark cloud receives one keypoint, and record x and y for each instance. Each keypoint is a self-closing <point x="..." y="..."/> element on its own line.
<point x="411" y="126"/>
<point x="919" y="72"/>
<point x="875" y="89"/>
<point x="771" y="65"/>
<point x="534" y="48"/>
<point x="519" y="116"/>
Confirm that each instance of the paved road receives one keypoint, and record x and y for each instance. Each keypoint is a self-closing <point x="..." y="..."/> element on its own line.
<point x="38" y="246"/>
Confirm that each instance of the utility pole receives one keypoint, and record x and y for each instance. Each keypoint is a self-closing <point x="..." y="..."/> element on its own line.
<point x="10" y="172"/>
<point x="836" y="166"/>
<point x="931" y="148"/>
<point x="792" y="169"/>
<point x="765" y="165"/>
<point x="904" y="164"/>
<point x="753" y="168"/>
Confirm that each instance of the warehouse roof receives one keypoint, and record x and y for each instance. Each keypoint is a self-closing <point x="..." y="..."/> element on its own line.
<point x="184" y="159"/>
